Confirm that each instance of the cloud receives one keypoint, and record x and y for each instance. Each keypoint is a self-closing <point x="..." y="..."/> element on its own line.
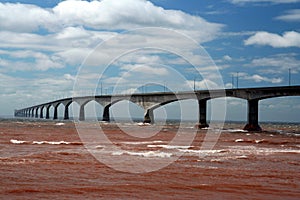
<point x="277" y="64"/>
<point x="29" y="61"/>
<point x="288" y="39"/>
<point x="19" y="92"/>
<point x="258" y="78"/>
<point x="290" y="16"/>
<point x="227" y="58"/>
<point x="24" y="17"/>
<point x="204" y="84"/>
<point x="145" y="69"/>
<point x="103" y="15"/>
<point x="228" y="85"/>
<point x="242" y="2"/>
<point x="72" y="29"/>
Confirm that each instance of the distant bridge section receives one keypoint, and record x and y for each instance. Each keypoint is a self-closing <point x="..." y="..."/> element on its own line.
<point x="151" y="101"/>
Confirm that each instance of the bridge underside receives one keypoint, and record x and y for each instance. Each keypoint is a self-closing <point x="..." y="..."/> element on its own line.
<point x="37" y="112"/>
<point x="152" y="101"/>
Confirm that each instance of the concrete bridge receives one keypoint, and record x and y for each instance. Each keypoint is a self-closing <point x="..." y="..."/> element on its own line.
<point x="151" y="101"/>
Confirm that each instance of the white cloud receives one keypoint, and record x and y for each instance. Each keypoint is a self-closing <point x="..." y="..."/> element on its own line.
<point x="145" y="69"/>
<point x="277" y="64"/>
<point x="228" y="85"/>
<point x="227" y="58"/>
<point x="130" y="91"/>
<point x="38" y="61"/>
<point x="204" y="84"/>
<point x="288" y="39"/>
<point x="258" y="78"/>
<point x="127" y="14"/>
<point x="69" y="38"/>
<point x="69" y="77"/>
<point x="18" y="92"/>
<point x="290" y="16"/>
<point x="103" y="15"/>
<point x="263" y="1"/>
<point x="23" y="17"/>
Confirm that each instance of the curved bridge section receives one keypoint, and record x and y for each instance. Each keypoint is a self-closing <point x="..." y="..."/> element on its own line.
<point x="151" y="101"/>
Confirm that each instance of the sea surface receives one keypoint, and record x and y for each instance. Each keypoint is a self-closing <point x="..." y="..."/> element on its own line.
<point x="97" y="160"/>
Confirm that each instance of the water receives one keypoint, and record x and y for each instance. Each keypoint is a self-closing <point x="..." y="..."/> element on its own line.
<point x="47" y="160"/>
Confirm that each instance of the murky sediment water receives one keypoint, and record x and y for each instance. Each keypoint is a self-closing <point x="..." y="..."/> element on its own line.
<point x="47" y="160"/>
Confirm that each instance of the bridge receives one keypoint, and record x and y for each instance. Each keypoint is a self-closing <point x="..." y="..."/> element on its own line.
<point x="151" y="101"/>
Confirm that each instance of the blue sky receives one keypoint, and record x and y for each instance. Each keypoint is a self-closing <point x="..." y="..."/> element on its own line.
<point x="43" y="43"/>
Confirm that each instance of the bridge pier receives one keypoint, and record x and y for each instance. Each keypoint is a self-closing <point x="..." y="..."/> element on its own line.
<point x="48" y="112"/>
<point x="149" y="116"/>
<point x="55" y="112"/>
<point x="202" y="123"/>
<point x="41" y="112"/>
<point x="81" y="113"/>
<point x="105" y="116"/>
<point x="66" y="114"/>
<point x="252" y="124"/>
<point x="36" y="112"/>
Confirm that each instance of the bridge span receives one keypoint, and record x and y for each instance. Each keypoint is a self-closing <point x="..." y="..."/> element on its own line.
<point x="151" y="101"/>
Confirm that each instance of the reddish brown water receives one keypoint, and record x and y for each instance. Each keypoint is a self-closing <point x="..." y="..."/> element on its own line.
<point x="46" y="160"/>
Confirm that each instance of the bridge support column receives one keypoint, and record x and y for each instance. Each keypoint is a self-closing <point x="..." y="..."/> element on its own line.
<point x="36" y="112"/>
<point x="47" y="112"/>
<point x="252" y="116"/>
<point x="81" y="113"/>
<point x="149" y="116"/>
<point x="66" y="115"/>
<point x="55" y="112"/>
<point x="105" y="116"/>
<point x="41" y="112"/>
<point x="202" y="114"/>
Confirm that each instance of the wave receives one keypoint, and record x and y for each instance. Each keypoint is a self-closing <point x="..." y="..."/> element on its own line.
<point x="235" y="130"/>
<point x="18" y="141"/>
<point x="46" y="142"/>
<point x="144" y="142"/>
<point x="60" y="124"/>
<point x="13" y="141"/>
<point x="264" y="141"/>
<point x="148" y="154"/>
<point x="168" y="146"/>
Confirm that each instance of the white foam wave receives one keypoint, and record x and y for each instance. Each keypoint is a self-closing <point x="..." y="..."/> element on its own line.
<point x="168" y="146"/>
<point x="206" y="128"/>
<point x="254" y="150"/>
<point x="60" y="124"/>
<point x="13" y="141"/>
<point x="236" y="131"/>
<point x="239" y="140"/>
<point x="17" y="141"/>
<point x="145" y="142"/>
<point x="117" y="153"/>
<point x="202" y="151"/>
<point x="53" y="142"/>
<point x="148" y="154"/>
<point x="259" y="141"/>
<point x="143" y="124"/>
<point x="242" y="157"/>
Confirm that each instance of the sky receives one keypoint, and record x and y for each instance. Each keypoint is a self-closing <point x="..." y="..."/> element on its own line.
<point x="47" y="46"/>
